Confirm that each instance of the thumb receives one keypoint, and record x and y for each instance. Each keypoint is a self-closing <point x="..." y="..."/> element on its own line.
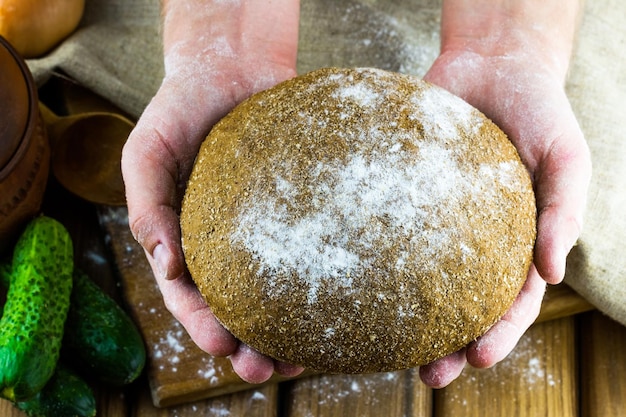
<point x="562" y="180"/>
<point x="155" y="164"/>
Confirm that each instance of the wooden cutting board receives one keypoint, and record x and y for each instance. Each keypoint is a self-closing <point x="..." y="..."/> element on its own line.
<point x="180" y="372"/>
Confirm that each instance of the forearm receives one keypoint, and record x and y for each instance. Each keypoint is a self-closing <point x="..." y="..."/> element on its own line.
<point x="219" y="52"/>
<point x="235" y="27"/>
<point x="545" y="29"/>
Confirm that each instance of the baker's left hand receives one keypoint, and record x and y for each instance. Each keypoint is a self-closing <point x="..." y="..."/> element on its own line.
<point x="520" y="87"/>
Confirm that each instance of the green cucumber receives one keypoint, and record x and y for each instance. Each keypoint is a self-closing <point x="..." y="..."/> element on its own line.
<point x="100" y="338"/>
<point x="38" y="299"/>
<point x="65" y="395"/>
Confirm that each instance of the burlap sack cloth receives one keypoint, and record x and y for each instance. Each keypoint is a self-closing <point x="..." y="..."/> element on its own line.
<point x="117" y="53"/>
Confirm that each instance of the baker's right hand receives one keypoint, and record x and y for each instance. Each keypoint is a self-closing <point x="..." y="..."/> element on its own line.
<point x="211" y="64"/>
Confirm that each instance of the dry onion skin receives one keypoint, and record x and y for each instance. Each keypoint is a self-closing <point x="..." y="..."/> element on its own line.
<point x="358" y="220"/>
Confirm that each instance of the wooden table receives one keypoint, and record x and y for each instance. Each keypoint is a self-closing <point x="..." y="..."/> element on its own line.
<point x="566" y="366"/>
<point x="571" y="363"/>
<point x="574" y="366"/>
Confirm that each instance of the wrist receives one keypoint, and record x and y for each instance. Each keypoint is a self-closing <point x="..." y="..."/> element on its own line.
<point x="541" y="31"/>
<point x="233" y="29"/>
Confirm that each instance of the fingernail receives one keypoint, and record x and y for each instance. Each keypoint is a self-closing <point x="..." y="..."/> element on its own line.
<point x="159" y="254"/>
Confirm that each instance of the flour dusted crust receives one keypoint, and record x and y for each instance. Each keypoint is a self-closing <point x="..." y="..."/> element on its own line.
<point x="357" y="220"/>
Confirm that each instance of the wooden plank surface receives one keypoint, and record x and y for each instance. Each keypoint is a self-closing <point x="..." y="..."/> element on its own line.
<point x="537" y="379"/>
<point x="255" y="402"/>
<point x="529" y="383"/>
<point x="179" y="372"/>
<point x="391" y="394"/>
<point x="561" y="301"/>
<point x="603" y="367"/>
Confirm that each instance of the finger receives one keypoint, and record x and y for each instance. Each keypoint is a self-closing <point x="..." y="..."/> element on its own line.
<point x="562" y="182"/>
<point x="150" y="179"/>
<point x="250" y="365"/>
<point x="184" y="301"/>
<point x="500" y="340"/>
<point x="443" y="371"/>
<point x="156" y="161"/>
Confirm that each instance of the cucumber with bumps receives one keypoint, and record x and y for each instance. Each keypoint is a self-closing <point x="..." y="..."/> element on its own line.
<point x="100" y="338"/>
<point x="38" y="299"/>
<point x="65" y="395"/>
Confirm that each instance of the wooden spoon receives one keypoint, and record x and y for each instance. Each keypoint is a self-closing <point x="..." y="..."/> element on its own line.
<point x="87" y="152"/>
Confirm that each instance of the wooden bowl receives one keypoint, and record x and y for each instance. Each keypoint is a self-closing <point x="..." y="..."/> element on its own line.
<point x="24" y="147"/>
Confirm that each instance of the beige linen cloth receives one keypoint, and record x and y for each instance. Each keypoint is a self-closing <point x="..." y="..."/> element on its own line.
<point x="117" y="53"/>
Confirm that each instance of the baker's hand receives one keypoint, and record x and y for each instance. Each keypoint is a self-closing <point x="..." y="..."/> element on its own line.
<point x="210" y="66"/>
<point x="517" y="81"/>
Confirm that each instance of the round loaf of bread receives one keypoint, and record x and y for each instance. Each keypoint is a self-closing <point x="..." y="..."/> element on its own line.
<point x="358" y="220"/>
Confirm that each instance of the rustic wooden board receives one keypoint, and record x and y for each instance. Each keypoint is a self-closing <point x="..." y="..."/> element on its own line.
<point x="255" y="402"/>
<point x="393" y="394"/>
<point x="537" y="379"/>
<point x="178" y="371"/>
<point x="603" y="370"/>
<point x="388" y="394"/>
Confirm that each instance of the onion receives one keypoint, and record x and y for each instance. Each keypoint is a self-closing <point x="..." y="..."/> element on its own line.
<point x="34" y="27"/>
